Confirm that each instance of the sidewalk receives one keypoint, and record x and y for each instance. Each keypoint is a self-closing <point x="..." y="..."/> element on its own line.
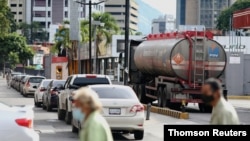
<point x="240" y="103"/>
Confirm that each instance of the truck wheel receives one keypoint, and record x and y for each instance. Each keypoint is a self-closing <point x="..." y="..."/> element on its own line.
<point x="165" y="101"/>
<point x="141" y="94"/>
<point x="160" y="97"/>
<point x="205" y="108"/>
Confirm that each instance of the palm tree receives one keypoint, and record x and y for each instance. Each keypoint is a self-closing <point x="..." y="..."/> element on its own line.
<point x="103" y="33"/>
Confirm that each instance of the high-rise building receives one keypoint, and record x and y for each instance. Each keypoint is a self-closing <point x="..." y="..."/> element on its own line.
<point x="117" y="9"/>
<point x="145" y="18"/>
<point x="163" y="24"/>
<point x="200" y="12"/>
<point x="18" y="8"/>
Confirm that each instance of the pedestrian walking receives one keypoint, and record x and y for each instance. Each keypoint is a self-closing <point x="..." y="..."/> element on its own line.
<point x="223" y="112"/>
<point x="8" y="78"/>
<point x="95" y="127"/>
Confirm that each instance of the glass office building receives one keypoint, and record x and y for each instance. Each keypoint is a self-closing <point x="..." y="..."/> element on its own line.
<point x="146" y="16"/>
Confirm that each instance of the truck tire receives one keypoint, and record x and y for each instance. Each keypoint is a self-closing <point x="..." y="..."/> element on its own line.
<point x="160" y="97"/>
<point x="205" y="108"/>
<point x="142" y="94"/>
<point x="165" y="101"/>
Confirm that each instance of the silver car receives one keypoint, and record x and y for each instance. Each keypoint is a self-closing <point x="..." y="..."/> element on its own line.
<point x="31" y="84"/>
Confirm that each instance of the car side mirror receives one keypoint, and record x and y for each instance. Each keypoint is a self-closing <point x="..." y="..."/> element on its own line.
<point x="70" y="98"/>
<point x="35" y="87"/>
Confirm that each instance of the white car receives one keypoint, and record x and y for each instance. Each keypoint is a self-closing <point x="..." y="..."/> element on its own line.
<point x="121" y="108"/>
<point x="40" y="89"/>
<point x="17" y="123"/>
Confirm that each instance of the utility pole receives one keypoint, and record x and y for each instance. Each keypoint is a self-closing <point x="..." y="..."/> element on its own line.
<point x="127" y="14"/>
<point x="90" y="28"/>
<point x="90" y="37"/>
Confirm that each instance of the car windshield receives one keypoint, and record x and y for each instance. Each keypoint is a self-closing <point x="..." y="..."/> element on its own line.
<point x="114" y="93"/>
<point x="35" y="79"/>
<point x="46" y="83"/>
<point x="82" y="81"/>
<point x="59" y="82"/>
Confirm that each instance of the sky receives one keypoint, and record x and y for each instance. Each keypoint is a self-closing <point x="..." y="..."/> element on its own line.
<point x="165" y="6"/>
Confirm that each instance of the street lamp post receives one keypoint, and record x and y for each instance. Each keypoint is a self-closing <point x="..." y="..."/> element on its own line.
<point x="90" y="29"/>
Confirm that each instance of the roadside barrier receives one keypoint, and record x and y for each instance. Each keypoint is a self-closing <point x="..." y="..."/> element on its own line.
<point x="247" y="97"/>
<point x="165" y="111"/>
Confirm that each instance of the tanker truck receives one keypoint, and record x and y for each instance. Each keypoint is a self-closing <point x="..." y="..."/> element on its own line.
<point x="172" y="67"/>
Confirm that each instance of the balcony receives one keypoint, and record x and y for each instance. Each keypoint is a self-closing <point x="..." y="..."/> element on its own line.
<point x="40" y="3"/>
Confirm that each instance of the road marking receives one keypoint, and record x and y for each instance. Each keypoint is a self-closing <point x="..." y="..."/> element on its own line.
<point x="47" y="129"/>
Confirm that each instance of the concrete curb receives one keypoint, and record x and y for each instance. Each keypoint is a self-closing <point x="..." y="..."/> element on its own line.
<point x="239" y="97"/>
<point x="168" y="112"/>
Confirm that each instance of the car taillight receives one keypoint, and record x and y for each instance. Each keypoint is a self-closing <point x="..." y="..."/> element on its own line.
<point x="90" y="76"/>
<point x="24" y="122"/>
<point x="28" y="84"/>
<point x="137" y="108"/>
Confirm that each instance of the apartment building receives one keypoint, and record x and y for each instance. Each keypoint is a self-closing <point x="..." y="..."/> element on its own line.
<point x="163" y="24"/>
<point x="200" y="12"/>
<point x="117" y="9"/>
<point x="18" y="8"/>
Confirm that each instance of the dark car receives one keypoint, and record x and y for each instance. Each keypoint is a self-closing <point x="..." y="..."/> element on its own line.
<point x="50" y="97"/>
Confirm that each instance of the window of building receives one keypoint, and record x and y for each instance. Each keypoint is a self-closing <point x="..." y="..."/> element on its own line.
<point x="43" y="24"/>
<point x="113" y="5"/>
<point x="66" y="3"/>
<point x="133" y="15"/>
<point x="13" y="5"/>
<point x="20" y="20"/>
<point x="20" y="5"/>
<point x="14" y="13"/>
<point x="66" y="14"/>
<point x="49" y="24"/>
<point x="49" y="3"/>
<point x="49" y="15"/>
<point x="40" y="3"/>
<point x="115" y="13"/>
<point x="40" y="14"/>
<point x="20" y="13"/>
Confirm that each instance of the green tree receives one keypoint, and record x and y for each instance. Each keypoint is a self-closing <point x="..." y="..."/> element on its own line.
<point x="25" y="54"/>
<point x="10" y="43"/>
<point x="5" y="23"/>
<point x="103" y="33"/>
<point x="13" y="59"/>
<point x="224" y="17"/>
<point x="33" y="32"/>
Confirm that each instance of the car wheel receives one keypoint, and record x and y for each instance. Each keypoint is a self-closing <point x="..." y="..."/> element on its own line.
<point x="74" y="129"/>
<point x="35" y="102"/>
<point x="60" y="113"/>
<point x="68" y="116"/>
<point x="138" y="135"/>
<point x="48" y="106"/>
<point x="24" y="94"/>
<point x="44" y="106"/>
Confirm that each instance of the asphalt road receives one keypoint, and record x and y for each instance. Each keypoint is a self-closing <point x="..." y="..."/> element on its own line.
<point x="51" y="129"/>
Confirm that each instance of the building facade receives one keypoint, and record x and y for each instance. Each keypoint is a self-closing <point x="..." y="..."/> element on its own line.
<point x="18" y="8"/>
<point x="117" y="9"/>
<point x="163" y="24"/>
<point x="200" y="12"/>
<point x="145" y="18"/>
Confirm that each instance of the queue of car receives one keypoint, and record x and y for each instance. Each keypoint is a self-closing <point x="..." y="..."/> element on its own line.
<point x="121" y="107"/>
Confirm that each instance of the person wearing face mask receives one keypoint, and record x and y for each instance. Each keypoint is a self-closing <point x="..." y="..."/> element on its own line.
<point x="223" y="112"/>
<point x="88" y="108"/>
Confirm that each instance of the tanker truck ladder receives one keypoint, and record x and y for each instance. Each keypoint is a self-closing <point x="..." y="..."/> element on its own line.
<point x="199" y="62"/>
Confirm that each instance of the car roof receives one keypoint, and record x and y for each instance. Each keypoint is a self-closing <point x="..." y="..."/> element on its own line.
<point x="108" y="86"/>
<point x="85" y="75"/>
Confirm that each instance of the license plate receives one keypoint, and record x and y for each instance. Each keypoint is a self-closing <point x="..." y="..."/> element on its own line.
<point x="114" y="111"/>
